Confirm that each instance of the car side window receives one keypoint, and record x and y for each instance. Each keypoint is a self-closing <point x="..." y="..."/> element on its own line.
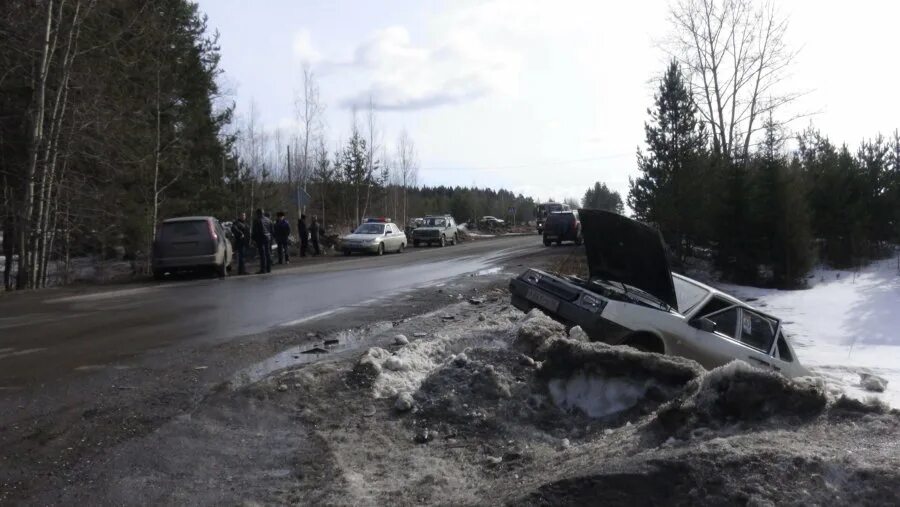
<point x="715" y="304"/>
<point x="757" y="331"/>
<point x="784" y="352"/>
<point x="726" y="322"/>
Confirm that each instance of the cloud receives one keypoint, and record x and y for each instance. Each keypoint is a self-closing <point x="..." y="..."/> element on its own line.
<point x="304" y="49"/>
<point x="398" y="74"/>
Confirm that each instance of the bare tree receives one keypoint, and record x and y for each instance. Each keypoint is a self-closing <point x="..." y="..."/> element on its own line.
<point x="735" y="56"/>
<point x="254" y="143"/>
<point x="408" y="168"/>
<point x="372" y="163"/>
<point x="309" y="114"/>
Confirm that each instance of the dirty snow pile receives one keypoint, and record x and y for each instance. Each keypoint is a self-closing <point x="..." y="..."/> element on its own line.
<point x="845" y="327"/>
<point x="493" y="405"/>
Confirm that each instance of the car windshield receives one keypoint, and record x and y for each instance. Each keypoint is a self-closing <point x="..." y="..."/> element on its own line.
<point x="435" y="222"/>
<point x="370" y="229"/>
<point x="688" y="294"/>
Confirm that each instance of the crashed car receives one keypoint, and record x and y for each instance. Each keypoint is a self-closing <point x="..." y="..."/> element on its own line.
<point x="632" y="298"/>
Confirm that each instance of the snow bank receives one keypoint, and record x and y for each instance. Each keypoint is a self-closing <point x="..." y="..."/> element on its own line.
<point x="405" y="370"/>
<point x="738" y="393"/>
<point x="535" y="331"/>
<point x="872" y="383"/>
<point x="596" y="396"/>
<point x="480" y="393"/>
<point x="845" y="324"/>
<point x="600" y="380"/>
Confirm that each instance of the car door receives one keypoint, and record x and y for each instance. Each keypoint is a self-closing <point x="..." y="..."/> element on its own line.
<point x="720" y="346"/>
<point x="401" y="238"/>
<point x="757" y="332"/>
<point x="225" y="244"/>
<point x="784" y="356"/>
<point x="391" y="239"/>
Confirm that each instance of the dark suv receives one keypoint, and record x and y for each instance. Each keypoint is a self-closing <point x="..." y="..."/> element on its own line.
<point x="562" y="226"/>
<point x="436" y="229"/>
<point x="189" y="243"/>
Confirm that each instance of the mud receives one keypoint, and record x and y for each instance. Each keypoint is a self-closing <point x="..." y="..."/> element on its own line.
<point x="455" y="414"/>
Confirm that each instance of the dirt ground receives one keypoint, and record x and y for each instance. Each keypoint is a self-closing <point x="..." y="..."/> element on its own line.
<point x="459" y="399"/>
<point x="485" y="424"/>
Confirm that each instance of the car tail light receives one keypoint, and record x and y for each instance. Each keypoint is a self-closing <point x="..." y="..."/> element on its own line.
<point x="212" y="230"/>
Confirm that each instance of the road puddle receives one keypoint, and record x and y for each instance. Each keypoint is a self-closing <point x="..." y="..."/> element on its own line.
<point x="308" y="353"/>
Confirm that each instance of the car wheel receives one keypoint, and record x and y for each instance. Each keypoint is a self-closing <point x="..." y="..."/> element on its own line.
<point x="159" y="274"/>
<point x="416" y="243"/>
<point x="443" y="241"/>
<point x="347" y="253"/>
<point x="547" y="242"/>
<point x="558" y="242"/>
<point x="400" y="249"/>
<point x="645" y="342"/>
<point x="455" y="238"/>
<point x="380" y="249"/>
<point x="221" y="270"/>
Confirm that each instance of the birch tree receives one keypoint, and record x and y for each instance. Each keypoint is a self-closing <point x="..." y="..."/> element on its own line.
<point x="408" y="168"/>
<point x="310" y="112"/>
<point x="735" y="56"/>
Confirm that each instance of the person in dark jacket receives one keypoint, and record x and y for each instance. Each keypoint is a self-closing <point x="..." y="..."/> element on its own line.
<point x="241" y="232"/>
<point x="282" y="231"/>
<point x="9" y="245"/>
<point x="303" y="232"/>
<point x="262" y="236"/>
<point x="314" y="235"/>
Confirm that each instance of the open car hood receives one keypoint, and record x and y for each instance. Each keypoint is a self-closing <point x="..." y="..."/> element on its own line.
<point x="623" y="250"/>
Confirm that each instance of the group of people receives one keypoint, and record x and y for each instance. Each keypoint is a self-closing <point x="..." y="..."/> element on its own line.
<point x="263" y="232"/>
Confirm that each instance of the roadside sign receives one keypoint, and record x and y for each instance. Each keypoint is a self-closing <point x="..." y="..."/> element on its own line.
<point x="511" y="210"/>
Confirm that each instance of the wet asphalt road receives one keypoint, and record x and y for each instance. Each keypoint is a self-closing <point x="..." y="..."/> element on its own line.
<point x="45" y="336"/>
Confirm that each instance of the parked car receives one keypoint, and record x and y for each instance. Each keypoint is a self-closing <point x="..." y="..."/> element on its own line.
<point x="632" y="298"/>
<point x="562" y="226"/>
<point x="491" y="222"/>
<point x="375" y="236"/>
<point x="436" y="230"/>
<point x="191" y="243"/>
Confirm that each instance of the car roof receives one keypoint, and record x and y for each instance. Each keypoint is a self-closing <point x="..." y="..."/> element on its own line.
<point x="186" y="219"/>
<point x="723" y="295"/>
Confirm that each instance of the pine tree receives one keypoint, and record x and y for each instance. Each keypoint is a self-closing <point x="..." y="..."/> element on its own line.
<point x="601" y="197"/>
<point x="669" y="190"/>
<point x="779" y="231"/>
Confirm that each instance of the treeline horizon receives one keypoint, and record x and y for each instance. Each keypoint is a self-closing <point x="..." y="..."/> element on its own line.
<point x="767" y="217"/>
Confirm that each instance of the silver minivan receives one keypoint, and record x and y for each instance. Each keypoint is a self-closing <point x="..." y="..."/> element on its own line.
<point x="191" y="243"/>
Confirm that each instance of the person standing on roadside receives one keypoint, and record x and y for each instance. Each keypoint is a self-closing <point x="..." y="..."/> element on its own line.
<point x="9" y="244"/>
<point x="241" y="232"/>
<point x="282" y="232"/>
<point x="303" y="232"/>
<point x="262" y="236"/>
<point x="314" y="235"/>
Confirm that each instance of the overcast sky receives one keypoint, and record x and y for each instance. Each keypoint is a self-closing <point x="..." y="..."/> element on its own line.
<point x="541" y="97"/>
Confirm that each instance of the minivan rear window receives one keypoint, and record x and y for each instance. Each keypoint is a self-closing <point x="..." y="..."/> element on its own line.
<point x="193" y="229"/>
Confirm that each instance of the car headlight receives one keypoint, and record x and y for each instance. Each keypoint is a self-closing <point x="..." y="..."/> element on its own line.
<point x="591" y="303"/>
<point x="533" y="277"/>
